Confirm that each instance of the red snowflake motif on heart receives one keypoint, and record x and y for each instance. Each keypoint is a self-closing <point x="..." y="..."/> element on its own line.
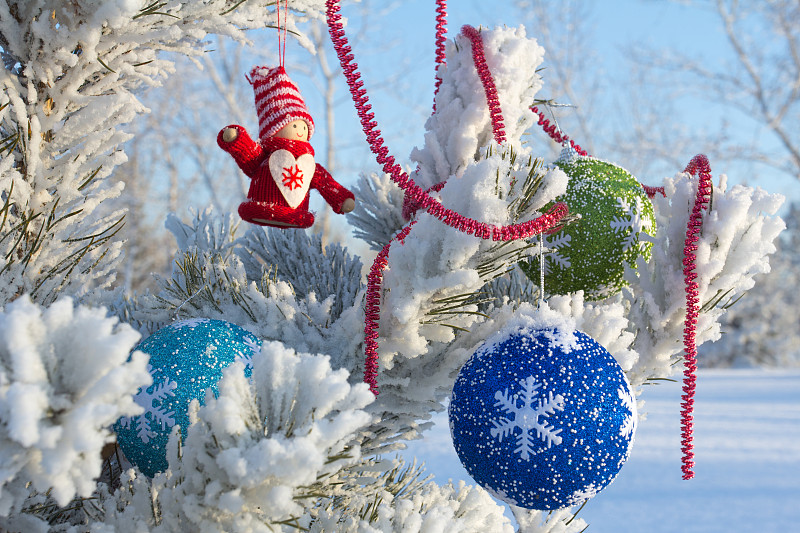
<point x="292" y="177"/>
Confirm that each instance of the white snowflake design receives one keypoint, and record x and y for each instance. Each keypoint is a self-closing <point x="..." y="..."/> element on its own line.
<point x="581" y="495"/>
<point x="629" y="402"/>
<point x="500" y="495"/>
<point x="555" y="243"/>
<point x="153" y="406"/>
<point x="630" y="224"/>
<point x="526" y="417"/>
<point x="190" y="323"/>
<point x="247" y="357"/>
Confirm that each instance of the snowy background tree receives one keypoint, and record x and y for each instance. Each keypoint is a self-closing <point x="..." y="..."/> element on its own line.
<point x="759" y="331"/>
<point x="302" y="443"/>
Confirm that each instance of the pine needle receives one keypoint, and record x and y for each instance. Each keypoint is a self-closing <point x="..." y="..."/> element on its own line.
<point x="153" y="9"/>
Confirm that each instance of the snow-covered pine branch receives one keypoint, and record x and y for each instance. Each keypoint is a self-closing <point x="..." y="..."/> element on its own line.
<point x="759" y="329"/>
<point x="255" y="455"/>
<point x="220" y="275"/>
<point x="458" y="508"/>
<point x="433" y="276"/>
<point x="378" y="215"/>
<point x="330" y="273"/>
<point x="737" y="236"/>
<point x="69" y="86"/>
<point x="65" y="379"/>
<point x="461" y="127"/>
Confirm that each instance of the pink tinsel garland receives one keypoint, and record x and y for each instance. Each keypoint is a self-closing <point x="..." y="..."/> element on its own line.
<point x="414" y="193"/>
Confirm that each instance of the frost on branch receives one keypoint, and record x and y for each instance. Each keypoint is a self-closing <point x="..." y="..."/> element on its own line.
<point x="460" y="129"/>
<point x="461" y="126"/>
<point x="219" y="275"/>
<point x="558" y="521"/>
<point x="378" y="215"/>
<point x="261" y="450"/>
<point x="436" y="262"/>
<point x="64" y="380"/>
<point x="606" y="322"/>
<point x="734" y="244"/>
<point x="331" y="274"/>
<point x="759" y="330"/>
<point x="431" y="287"/>
<point x="430" y="509"/>
<point x="434" y="281"/>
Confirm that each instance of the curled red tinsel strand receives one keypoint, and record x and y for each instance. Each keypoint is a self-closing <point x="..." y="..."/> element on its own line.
<point x="557" y="135"/>
<point x="697" y="166"/>
<point x="498" y="128"/>
<point x="441" y="33"/>
<point x="651" y="192"/>
<point x="372" y="310"/>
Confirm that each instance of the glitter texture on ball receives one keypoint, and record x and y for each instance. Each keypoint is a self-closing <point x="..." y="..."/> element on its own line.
<point x="544" y="419"/>
<point x="591" y="253"/>
<point x="186" y="359"/>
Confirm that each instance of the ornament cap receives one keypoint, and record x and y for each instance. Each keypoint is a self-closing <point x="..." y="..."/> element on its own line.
<point x="568" y="155"/>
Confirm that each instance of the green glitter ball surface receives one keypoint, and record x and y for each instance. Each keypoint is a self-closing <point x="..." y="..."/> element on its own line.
<point x="590" y="254"/>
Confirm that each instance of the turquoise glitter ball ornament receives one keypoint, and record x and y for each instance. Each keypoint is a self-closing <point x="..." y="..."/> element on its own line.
<point x="186" y="359"/>
<point x="591" y="253"/>
<point x="543" y="419"/>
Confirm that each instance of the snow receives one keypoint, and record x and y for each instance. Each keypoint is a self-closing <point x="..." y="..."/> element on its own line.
<point x="288" y="427"/>
<point x="65" y="378"/>
<point x="747" y="455"/>
<point x="461" y="125"/>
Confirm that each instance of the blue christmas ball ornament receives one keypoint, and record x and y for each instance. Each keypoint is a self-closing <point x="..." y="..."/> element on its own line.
<point x="186" y="359"/>
<point x="542" y="419"/>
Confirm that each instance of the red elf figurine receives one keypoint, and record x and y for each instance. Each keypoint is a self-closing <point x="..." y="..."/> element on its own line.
<point x="281" y="164"/>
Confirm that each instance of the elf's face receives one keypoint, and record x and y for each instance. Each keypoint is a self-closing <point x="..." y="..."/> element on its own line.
<point x="296" y="131"/>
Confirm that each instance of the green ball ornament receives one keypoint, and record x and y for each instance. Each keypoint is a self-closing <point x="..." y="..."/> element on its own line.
<point x="591" y="253"/>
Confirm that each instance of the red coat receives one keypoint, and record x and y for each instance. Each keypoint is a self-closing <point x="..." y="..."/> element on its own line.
<point x="279" y="172"/>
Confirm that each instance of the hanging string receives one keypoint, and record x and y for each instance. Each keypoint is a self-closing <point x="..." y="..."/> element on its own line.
<point x="697" y="166"/>
<point x="541" y="271"/>
<point x="282" y="30"/>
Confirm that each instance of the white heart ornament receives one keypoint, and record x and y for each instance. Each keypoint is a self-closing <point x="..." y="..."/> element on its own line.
<point x="292" y="175"/>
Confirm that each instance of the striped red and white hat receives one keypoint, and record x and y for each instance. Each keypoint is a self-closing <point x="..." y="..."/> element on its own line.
<point x="278" y="101"/>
